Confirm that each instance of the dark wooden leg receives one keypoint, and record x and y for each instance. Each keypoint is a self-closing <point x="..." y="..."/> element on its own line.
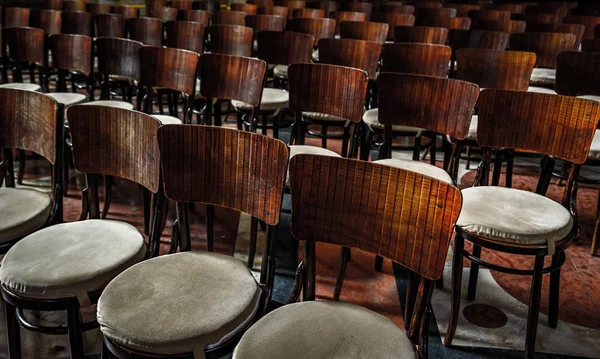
<point x="210" y="233"/>
<point x="218" y="113"/>
<point x="107" y="195"/>
<point x="22" y="160"/>
<point x="510" y="164"/>
<point x="265" y="122"/>
<point x="440" y="283"/>
<point x="309" y="278"/>
<point x="106" y="354"/>
<point x="75" y="334"/>
<point x="416" y="150"/>
<point x="324" y="138"/>
<point x="253" y="235"/>
<point x="534" y="307"/>
<point x="159" y="103"/>
<point x="13" y="331"/>
<point x="345" y="141"/>
<point x="378" y="263"/>
<point x="345" y="255"/>
<point x="553" y="302"/>
<point x="146" y="207"/>
<point x="472" y="291"/>
<point x="457" y="271"/>
<point x="596" y="229"/>
<point x="433" y="151"/>
<point x="365" y="146"/>
<point x="276" y="124"/>
<point x="239" y="121"/>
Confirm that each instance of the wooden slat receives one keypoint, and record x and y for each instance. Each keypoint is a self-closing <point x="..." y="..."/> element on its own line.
<point x="25" y="44"/>
<point x="71" y="52"/>
<point x="174" y="69"/>
<point x="231" y="39"/>
<point x="359" y="54"/>
<point x="422" y="34"/>
<point x="119" y="56"/>
<point x="546" y="45"/>
<point x="318" y="28"/>
<point x="416" y="58"/>
<point x="368" y="31"/>
<point x="284" y="48"/>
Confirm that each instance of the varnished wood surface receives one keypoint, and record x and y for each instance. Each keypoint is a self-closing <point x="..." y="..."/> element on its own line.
<point x="495" y="15"/>
<point x="98" y="8"/>
<point x="231" y="40"/>
<point x="398" y="214"/>
<point x="333" y="90"/>
<point x="460" y="23"/>
<point x="164" y="13"/>
<point x="115" y="142"/>
<point x="71" y="52"/>
<point x="74" y="5"/>
<point x="53" y="5"/>
<point x="128" y="11"/>
<point x="182" y="4"/>
<point x="25" y="44"/>
<point x="546" y="45"/>
<point x="437" y="104"/>
<point x="423" y="34"/>
<point x="359" y="54"/>
<point x="28" y="121"/>
<point x="509" y="26"/>
<point x="265" y="22"/>
<point x="284" y="48"/>
<point x="185" y="35"/>
<point x="506" y="70"/>
<point x="224" y="17"/>
<point x="229" y="77"/>
<point x="146" y="30"/>
<point x="274" y="10"/>
<point x="416" y="58"/>
<point x="559" y="126"/>
<point x="308" y="13"/>
<point x="577" y="73"/>
<point x="575" y="29"/>
<point x="430" y="17"/>
<point x="110" y="25"/>
<point x="291" y="5"/>
<point x="494" y="40"/>
<point x="249" y="9"/>
<point x="426" y="4"/>
<point x="403" y="9"/>
<point x="207" y="5"/>
<point x="462" y="10"/>
<point x="16" y="16"/>
<point x="590" y="23"/>
<point x="365" y="7"/>
<point x="174" y="69"/>
<point x="199" y="16"/>
<point x="393" y="20"/>
<point x="318" y="28"/>
<point x="590" y="45"/>
<point x="368" y="31"/>
<point x="230" y="168"/>
<point x="329" y="7"/>
<point x="119" y="57"/>
<point x="77" y="23"/>
<point x="341" y="16"/>
<point x="48" y="20"/>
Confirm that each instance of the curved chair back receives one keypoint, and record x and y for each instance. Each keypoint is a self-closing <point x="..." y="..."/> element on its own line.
<point x="416" y="58"/>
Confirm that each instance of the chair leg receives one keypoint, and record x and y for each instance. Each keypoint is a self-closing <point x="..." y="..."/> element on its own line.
<point x="253" y="235"/>
<point x="276" y="124"/>
<point x="13" y="331"/>
<point x="457" y="271"/>
<point x="365" y="145"/>
<point x="433" y="151"/>
<point x="379" y="263"/>
<point x="75" y="333"/>
<point x="474" y="274"/>
<point x="107" y="195"/>
<point x="345" y="141"/>
<point x="324" y="136"/>
<point x="440" y="283"/>
<point x="106" y="354"/>
<point x="22" y="160"/>
<point x="553" y="302"/>
<point x="596" y="229"/>
<point x="345" y="256"/>
<point x="534" y="307"/>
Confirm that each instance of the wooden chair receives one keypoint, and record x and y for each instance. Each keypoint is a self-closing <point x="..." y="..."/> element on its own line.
<point x="53" y="5"/>
<point x="462" y="10"/>
<point x="291" y="5"/>
<point x="77" y="23"/>
<point x="590" y="23"/>
<point x="118" y="64"/>
<point x="452" y="23"/>
<point x="110" y="25"/>
<point x="222" y="297"/>
<point x="430" y="17"/>
<point x="365" y="7"/>
<point x="308" y="13"/>
<point x="423" y="34"/>
<point x="128" y="11"/>
<point x="163" y="13"/>
<point x="185" y="35"/>
<point x="71" y="54"/>
<point x="168" y="69"/>
<point x="403" y="9"/>
<point x="199" y="16"/>
<point x="98" y="8"/>
<point x="206" y="5"/>
<point x="546" y="46"/>
<point x="182" y="4"/>
<point x="265" y="23"/>
<point x="575" y="29"/>
<point x="274" y="10"/>
<point x="24" y="48"/>
<point x="230" y="40"/>
<point x="48" y="20"/>
<point x="360" y="30"/>
<point x="341" y="16"/>
<point x="328" y="6"/>
<point x="558" y="126"/>
<point x="481" y="39"/>
<point x="146" y="30"/>
<point x="393" y="20"/>
<point x="15" y="17"/>
<point x="229" y="18"/>
<point x="318" y="28"/>
<point x="96" y="250"/>
<point x="249" y="9"/>
<point x="338" y="328"/>
<point x="74" y="5"/>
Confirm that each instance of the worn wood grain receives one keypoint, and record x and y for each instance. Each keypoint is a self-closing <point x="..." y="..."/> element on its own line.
<point x="265" y="23"/>
<point x="231" y="40"/>
<point x="393" y="20"/>
<point x="110" y="25"/>
<point x="24" y="44"/>
<point x="360" y="30"/>
<point x="359" y="54"/>
<point x="71" y="53"/>
<point x="119" y="57"/>
<point x="577" y="73"/>
<point x="274" y="10"/>
<point x="546" y="45"/>
<point x="185" y="35"/>
<point x="146" y="30"/>
<point x="416" y="58"/>
<point x="423" y="34"/>
<point x="48" y="20"/>
<point x="174" y="69"/>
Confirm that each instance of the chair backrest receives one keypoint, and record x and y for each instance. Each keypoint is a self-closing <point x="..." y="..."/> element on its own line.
<point x="510" y="26"/>
<point x="450" y="23"/>
<point x="542" y="18"/>
<point x="575" y="29"/>
<point x="233" y="169"/>
<point x="329" y="7"/>
<point x="200" y="16"/>
<point x="427" y="4"/>
<point x="119" y="57"/>
<point x="185" y="35"/>
<point x="284" y="48"/>
<point x="265" y="22"/>
<point x="249" y="9"/>
<point x="181" y="4"/>
<point x="429" y="17"/>
<point x="282" y="11"/>
<point x="173" y="69"/>
<point x="163" y="13"/>
<point x="53" y="5"/>
<point x="393" y="20"/>
<point x="398" y="214"/>
<point x="318" y="28"/>
<point x="423" y="34"/>
<point x="16" y="16"/>
<point x="128" y="11"/>
<point x="207" y="5"/>
<point x="462" y="10"/>
<point x="71" y="53"/>
<point x="483" y="15"/>
<point x="74" y="5"/>
<point x="228" y="77"/>
<point x="555" y="125"/>
<point x="416" y="58"/>
<point x="25" y="44"/>
<point x="507" y="70"/>
<point x="403" y="9"/>
<point x="77" y="23"/>
<point x="48" y="20"/>
<point x="590" y="23"/>
<point x="328" y="89"/>
<point x="361" y="30"/>
<point x="224" y="17"/>
<point x="511" y="8"/>
<point x="447" y="108"/>
<point x="546" y="45"/>
<point x="480" y="39"/>
<point x="590" y="45"/>
<point x="115" y="142"/>
<point x="110" y="25"/>
<point x="146" y="30"/>
<point x="577" y="73"/>
<point x="341" y="16"/>
<point x="291" y="5"/>
<point x="29" y="121"/>
<point x="308" y="13"/>
<point x="359" y="54"/>
<point x="365" y="7"/>
<point x="231" y="40"/>
<point x="98" y="8"/>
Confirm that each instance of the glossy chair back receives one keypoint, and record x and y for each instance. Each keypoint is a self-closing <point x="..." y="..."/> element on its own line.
<point x="48" y="20"/>
<point x="577" y="73"/>
<point x="146" y="30"/>
<point x="284" y="48"/>
<point x="422" y="34"/>
<point x="393" y="20"/>
<point x="231" y="40"/>
<point x="265" y="23"/>
<point x="110" y="25"/>
<point x="416" y="58"/>
<point x="77" y="23"/>
<point x="318" y="28"/>
<point x="185" y="35"/>
<point x="229" y="18"/>
<point x="16" y="16"/>
<point x="360" y="30"/>
<point x="359" y="54"/>
<point x="200" y="16"/>
<point x="546" y="45"/>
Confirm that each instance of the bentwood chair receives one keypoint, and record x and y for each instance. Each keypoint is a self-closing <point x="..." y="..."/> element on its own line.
<point x="575" y="29"/>
<point x="403" y="9"/>
<point x="74" y="5"/>
<point x="110" y="25"/>
<point x="422" y="34"/>
<point x="15" y="16"/>
<point x="282" y="11"/>
<point x="24" y="47"/>
<point x="66" y="266"/>
<point x="200" y="16"/>
<point x="590" y="23"/>
<point x="345" y="330"/>
<point x="163" y="13"/>
<point x="128" y="11"/>
<point x="342" y="16"/>
<point x="429" y="17"/>
<point x="516" y="221"/>
<point x="265" y="23"/>
<point x="225" y="17"/>
<point x="98" y="8"/>
<point x="147" y="30"/>
<point x="318" y="28"/>
<point x="53" y="5"/>
<point x="71" y="55"/>
<point x="137" y="312"/>
<point x="182" y="4"/>
<point x="478" y="39"/>
<point x="48" y="20"/>
<point x="230" y="40"/>
<point x="361" y="30"/>
<point x="77" y="23"/>
<point x="393" y="19"/>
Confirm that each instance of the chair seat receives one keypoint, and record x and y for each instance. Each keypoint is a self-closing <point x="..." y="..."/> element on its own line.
<point x="419" y="167"/>
<point x="594" y="153"/>
<point x="371" y="119"/>
<point x="68" y="98"/>
<point x="70" y="259"/>
<point x="541" y="90"/>
<point x="322" y="117"/>
<point x="472" y="135"/>
<point x="110" y="103"/>
<point x="22" y="86"/>
<point x="315" y="56"/>
<point x="178" y="303"/>
<point x="513" y="216"/>
<point x="309" y="150"/>
<point x="281" y="71"/>
<point x="542" y="77"/>
<point x="168" y="120"/>
<point x="22" y="211"/>
<point x="324" y="330"/>
<point x="271" y="100"/>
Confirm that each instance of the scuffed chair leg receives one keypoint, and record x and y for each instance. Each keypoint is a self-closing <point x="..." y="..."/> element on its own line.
<point x="108" y="181"/>
<point x="553" y="301"/>
<point x="596" y="229"/>
<point x="534" y="308"/>
<point x="345" y="256"/>
<point x="22" y="160"/>
<point x="253" y="236"/>
<point x="474" y="274"/>
<point x="457" y="271"/>
<point x="75" y="333"/>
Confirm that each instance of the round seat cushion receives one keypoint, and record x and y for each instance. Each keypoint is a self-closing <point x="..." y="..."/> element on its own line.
<point x="513" y="216"/>
<point x="310" y="150"/>
<point x="472" y="135"/>
<point x="318" y="117"/>
<point x="22" y="211"/>
<point x="594" y="153"/>
<point x="271" y="100"/>
<point x="419" y="167"/>
<point x="22" y="86"/>
<point x="70" y="259"/>
<point x="281" y="71"/>
<point x="168" y="120"/>
<point x="179" y="303"/>
<point x="543" y="77"/>
<point x="324" y="330"/>
<point x="110" y="103"/>
<point x="371" y="119"/>
<point x="68" y="98"/>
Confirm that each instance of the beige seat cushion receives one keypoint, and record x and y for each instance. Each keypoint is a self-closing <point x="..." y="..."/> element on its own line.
<point x="472" y="135"/>
<point x="541" y="90"/>
<point x="594" y="153"/>
<point x="322" y="117"/>
<point x="178" y="303"/>
<point x="324" y="330"/>
<point x="513" y="216"/>
<point x="69" y="259"/>
<point x="590" y="97"/>
<point x="109" y="103"/>
<point x="371" y="119"/>
<point x="310" y="150"/>
<point x="22" y="86"/>
<point x="542" y="77"/>
<point x="168" y="120"/>
<point x="68" y="98"/>
<point x="271" y="100"/>
<point x="315" y="56"/>
<point x="22" y="211"/>
<point x="281" y="71"/>
<point x="419" y="167"/>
